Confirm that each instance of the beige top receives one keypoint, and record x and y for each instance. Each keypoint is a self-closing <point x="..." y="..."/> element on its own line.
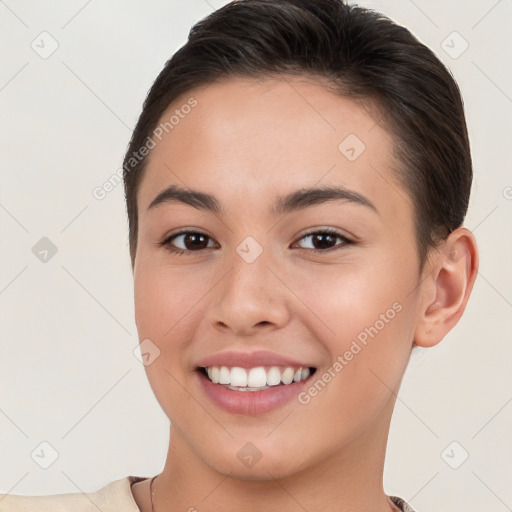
<point x="116" y="496"/>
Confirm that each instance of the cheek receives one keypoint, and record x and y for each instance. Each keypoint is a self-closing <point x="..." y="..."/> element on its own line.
<point x="353" y="295"/>
<point x="369" y="314"/>
<point x="163" y="299"/>
<point x="163" y="310"/>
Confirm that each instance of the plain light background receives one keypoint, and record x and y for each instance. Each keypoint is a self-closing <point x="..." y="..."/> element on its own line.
<point x="68" y="373"/>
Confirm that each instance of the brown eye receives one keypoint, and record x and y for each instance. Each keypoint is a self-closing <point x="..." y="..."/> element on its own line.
<point x="325" y="240"/>
<point x="191" y="241"/>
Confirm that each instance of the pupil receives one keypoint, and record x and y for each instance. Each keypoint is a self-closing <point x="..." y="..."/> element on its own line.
<point x="195" y="237"/>
<point x="198" y="240"/>
<point x="322" y="238"/>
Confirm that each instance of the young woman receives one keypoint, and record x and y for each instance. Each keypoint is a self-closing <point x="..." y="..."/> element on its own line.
<point x="296" y="188"/>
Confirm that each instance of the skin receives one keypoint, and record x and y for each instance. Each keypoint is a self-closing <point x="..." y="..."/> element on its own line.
<point x="247" y="142"/>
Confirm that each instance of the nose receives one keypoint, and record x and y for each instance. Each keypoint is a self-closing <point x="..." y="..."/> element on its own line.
<point x="250" y="297"/>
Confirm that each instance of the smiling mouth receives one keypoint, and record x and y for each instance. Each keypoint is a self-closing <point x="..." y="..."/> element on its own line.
<point x="257" y="378"/>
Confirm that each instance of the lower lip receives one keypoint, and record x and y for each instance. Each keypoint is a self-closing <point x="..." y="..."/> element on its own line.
<point x="250" y="402"/>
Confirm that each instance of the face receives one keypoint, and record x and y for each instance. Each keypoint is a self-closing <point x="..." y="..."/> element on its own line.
<point x="276" y="278"/>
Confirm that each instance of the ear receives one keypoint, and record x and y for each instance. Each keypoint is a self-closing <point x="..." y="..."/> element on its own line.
<point x="447" y="287"/>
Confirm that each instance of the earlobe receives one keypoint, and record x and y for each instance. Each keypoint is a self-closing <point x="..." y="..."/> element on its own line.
<point x="451" y="280"/>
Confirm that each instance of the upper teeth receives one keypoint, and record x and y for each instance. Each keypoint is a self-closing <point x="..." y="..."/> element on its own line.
<point x="258" y="377"/>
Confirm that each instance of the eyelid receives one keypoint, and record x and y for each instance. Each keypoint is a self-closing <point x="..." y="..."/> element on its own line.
<point x="347" y="240"/>
<point x="182" y="231"/>
<point x="327" y="229"/>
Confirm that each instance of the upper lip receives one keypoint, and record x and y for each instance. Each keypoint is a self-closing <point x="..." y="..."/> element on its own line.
<point x="250" y="360"/>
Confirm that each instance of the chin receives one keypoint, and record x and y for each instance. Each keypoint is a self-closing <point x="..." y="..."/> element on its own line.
<point x="261" y="471"/>
<point x="256" y="464"/>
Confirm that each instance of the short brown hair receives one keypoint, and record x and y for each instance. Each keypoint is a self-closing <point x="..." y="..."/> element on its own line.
<point x="363" y="55"/>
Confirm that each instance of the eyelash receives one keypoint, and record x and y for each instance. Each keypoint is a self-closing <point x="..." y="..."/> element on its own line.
<point x="329" y="231"/>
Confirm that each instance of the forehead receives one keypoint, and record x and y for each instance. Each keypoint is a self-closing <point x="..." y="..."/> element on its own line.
<point x="248" y="140"/>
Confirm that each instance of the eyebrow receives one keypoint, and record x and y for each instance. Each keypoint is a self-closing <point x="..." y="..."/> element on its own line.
<point x="298" y="200"/>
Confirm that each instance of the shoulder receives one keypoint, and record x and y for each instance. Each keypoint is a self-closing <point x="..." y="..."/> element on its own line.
<point x="400" y="503"/>
<point x="112" y="497"/>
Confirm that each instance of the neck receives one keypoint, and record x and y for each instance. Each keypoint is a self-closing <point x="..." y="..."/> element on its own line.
<point x="345" y="481"/>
